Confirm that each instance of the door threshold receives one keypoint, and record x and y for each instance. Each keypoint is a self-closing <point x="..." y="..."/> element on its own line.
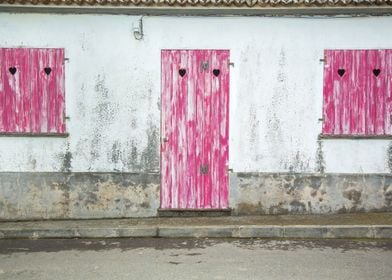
<point x="177" y="212"/>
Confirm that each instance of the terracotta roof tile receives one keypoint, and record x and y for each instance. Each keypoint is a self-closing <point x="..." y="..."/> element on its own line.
<point x="205" y="3"/>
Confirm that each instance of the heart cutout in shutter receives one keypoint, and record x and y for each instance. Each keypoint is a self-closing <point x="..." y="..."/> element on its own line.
<point x="376" y="72"/>
<point x="182" y="72"/>
<point x="12" y="70"/>
<point x="47" y="70"/>
<point x="341" y="72"/>
<point x="216" y="72"/>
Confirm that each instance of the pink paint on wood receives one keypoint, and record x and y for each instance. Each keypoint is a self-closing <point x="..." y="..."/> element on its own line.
<point x="194" y="129"/>
<point x="356" y="101"/>
<point x="201" y="58"/>
<point x="15" y="106"/>
<point x="388" y="96"/>
<point x="2" y="92"/>
<point x="32" y="100"/>
<point x="47" y="90"/>
<point x="166" y="127"/>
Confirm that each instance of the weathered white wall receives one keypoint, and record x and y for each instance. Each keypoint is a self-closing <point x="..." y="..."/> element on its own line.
<point x="113" y="90"/>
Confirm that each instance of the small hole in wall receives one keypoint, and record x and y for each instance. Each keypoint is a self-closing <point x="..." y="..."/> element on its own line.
<point x="216" y="72"/>
<point x="12" y="70"/>
<point x="47" y="70"/>
<point x="182" y="72"/>
<point x="376" y="72"/>
<point x="341" y="72"/>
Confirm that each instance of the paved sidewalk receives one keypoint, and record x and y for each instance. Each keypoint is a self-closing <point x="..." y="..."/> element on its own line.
<point x="372" y="225"/>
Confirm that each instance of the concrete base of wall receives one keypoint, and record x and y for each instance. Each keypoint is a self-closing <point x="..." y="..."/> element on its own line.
<point x="278" y="193"/>
<point x="27" y="196"/>
<point x="30" y="196"/>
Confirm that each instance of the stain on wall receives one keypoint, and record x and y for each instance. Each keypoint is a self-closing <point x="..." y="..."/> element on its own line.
<point x="320" y="162"/>
<point x="67" y="161"/>
<point x="150" y="155"/>
<point x="389" y="157"/>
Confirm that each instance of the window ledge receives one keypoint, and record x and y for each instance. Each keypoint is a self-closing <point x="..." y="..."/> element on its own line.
<point x="27" y="134"/>
<point x="326" y="136"/>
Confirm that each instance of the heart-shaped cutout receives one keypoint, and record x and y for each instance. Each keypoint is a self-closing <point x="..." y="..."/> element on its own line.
<point x="216" y="72"/>
<point x="47" y="70"/>
<point x="12" y="70"/>
<point x="376" y="72"/>
<point x="341" y="72"/>
<point x="182" y="72"/>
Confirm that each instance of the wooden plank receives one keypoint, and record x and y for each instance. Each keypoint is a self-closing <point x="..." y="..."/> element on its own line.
<point x="337" y="96"/>
<point x="166" y="168"/>
<point x="224" y="59"/>
<point x="192" y="169"/>
<point x="328" y="93"/>
<point x="16" y="113"/>
<point x="215" y="164"/>
<point x="377" y="88"/>
<point x="56" y="98"/>
<point x="219" y="128"/>
<point x="200" y="78"/>
<point x="388" y="92"/>
<point x="181" y="126"/>
<point x="371" y="92"/>
<point x="344" y="95"/>
<point x="358" y="89"/>
<point x="207" y="132"/>
<point x="39" y="90"/>
<point x="2" y="92"/>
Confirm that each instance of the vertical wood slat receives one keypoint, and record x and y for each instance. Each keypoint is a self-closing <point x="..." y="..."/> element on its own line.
<point x="358" y="88"/>
<point x="344" y="93"/>
<point x="356" y="103"/>
<point x="370" y="95"/>
<point x="224" y="95"/>
<point x="215" y="164"/>
<point x="388" y="90"/>
<point x="377" y="90"/>
<point x="181" y="119"/>
<point x="207" y="132"/>
<point x="2" y="92"/>
<point x="56" y="91"/>
<point x="200" y="87"/>
<point x="173" y="136"/>
<point x="328" y="100"/>
<point x="38" y="91"/>
<point x="191" y="173"/>
<point x="219" y="128"/>
<point x="16" y="110"/>
<point x="166" y="183"/>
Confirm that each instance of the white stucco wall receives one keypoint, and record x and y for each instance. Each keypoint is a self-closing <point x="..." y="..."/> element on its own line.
<point x="113" y="90"/>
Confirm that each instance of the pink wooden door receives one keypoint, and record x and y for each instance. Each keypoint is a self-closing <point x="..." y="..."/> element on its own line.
<point x="194" y="146"/>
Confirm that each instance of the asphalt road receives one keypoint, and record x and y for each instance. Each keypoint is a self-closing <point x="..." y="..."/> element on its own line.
<point x="194" y="259"/>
